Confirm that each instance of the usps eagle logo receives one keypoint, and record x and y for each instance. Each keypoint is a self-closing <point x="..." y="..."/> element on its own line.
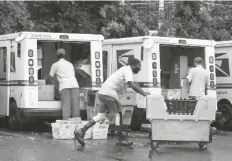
<point x="123" y="57"/>
<point x="222" y="65"/>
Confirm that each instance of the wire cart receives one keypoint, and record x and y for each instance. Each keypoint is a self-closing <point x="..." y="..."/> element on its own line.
<point x="180" y="120"/>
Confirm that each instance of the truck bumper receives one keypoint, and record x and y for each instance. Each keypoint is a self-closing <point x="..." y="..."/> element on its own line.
<point x="39" y="113"/>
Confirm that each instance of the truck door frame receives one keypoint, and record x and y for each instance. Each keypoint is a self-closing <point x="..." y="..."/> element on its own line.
<point x="5" y="82"/>
<point x="107" y="52"/>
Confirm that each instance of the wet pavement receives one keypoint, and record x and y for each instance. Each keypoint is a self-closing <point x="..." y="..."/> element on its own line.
<point x="31" y="146"/>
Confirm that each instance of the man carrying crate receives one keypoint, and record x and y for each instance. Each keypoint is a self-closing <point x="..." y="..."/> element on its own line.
<point x="109" y="95"/>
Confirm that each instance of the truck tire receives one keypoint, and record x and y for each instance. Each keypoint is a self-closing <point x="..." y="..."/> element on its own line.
<point x="13" y="122"/>
<point x="222" y="122"/>
<point x="137" y="118"/>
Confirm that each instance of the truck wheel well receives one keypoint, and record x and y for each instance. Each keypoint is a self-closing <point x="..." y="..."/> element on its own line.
<point x="224" y="101"/>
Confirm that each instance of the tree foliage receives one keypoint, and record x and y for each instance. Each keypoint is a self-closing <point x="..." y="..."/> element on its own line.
<point x="221" y="21"/>
<point x="189" y="19"/>
<point x="121" y="21"/>
<point x="195" y="19"/>
<point x="13" y="17"/>
<point x="108" y="18"/>
<point x="65" y="16"/>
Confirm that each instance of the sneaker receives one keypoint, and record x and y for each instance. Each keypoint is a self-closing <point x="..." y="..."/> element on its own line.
<point x="79" y="136"/>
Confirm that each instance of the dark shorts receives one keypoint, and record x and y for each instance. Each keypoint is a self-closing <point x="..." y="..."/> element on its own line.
<point x="108" y="104"/>
<point x="70" y="104"/>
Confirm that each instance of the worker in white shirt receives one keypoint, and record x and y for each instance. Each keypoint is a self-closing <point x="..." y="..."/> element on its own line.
<point x="198" y="79"/>
<point x="109" y="99"/>
<point x="68" y="86"/>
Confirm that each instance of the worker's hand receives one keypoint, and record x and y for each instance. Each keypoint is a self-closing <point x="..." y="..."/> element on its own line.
<point x="49" y="80"/>
<point x="146" y="94"/>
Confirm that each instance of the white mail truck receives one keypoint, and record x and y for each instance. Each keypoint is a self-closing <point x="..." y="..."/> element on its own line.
<point x="165" y="65"/>
<point x="25" y="62"/>
<point x="223" y="58"/>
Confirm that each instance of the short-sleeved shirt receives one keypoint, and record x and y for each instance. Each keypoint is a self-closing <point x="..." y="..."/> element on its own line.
<point x="198" y="77"/>
<point x="65" y="73"/>
<point x="116" y="85"/>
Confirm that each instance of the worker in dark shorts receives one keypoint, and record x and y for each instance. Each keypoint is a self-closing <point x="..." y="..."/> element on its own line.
<point x="109" y="99"/>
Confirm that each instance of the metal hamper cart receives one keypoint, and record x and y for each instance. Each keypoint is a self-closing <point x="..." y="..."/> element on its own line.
<point x="180" y="120"/>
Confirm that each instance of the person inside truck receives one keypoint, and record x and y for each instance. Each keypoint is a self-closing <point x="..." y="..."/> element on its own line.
<point x="198" y="79"/>
<point x="83" y="77"/>
<point x="68" y="86"/>
<point x="109" y="99"/>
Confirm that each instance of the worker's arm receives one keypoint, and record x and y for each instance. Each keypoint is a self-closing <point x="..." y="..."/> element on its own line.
<point x="49" y="80"/>
<point x="128" y="75"/>
<point x="52" y="80"/>
<point x="189" y="76"/>
<point x="136" y="88"/>
<point x="52" y="74"/>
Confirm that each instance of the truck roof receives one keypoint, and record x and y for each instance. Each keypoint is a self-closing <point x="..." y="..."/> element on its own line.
<point x="161" y="40"/>
<point x="54" y="36"/>
<point x="223" y="43"/>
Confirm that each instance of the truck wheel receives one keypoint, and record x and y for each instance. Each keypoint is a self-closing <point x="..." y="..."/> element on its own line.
<point x="202" y="146"/>
<point x="226" y="116"/>
<point x="137" y="118"/>
<point x="13" y="122"/>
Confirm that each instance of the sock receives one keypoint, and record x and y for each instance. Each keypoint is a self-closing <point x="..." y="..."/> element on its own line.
<point x="88" y="125"/>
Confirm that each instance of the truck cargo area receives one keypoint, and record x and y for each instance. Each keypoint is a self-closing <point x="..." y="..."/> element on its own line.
<point x="78" y="53"/>
<point x="175" y="62"/>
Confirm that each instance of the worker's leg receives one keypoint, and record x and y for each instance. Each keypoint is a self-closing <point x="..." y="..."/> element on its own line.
<point x="79" y="134"/>
<point x="75" y="101"/>
<point x="111" y="105"/>
<point x="121" y="140"/>
<point x="65" y="95"/>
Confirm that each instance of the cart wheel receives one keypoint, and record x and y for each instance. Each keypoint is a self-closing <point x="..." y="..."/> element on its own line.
<point x="13" y="120"/>
<point x="152" y="148"/>
<point x="202" y="146"/>
<point x="127" y="134"/>
<point x="150" y="153"/>
<point x="150" y="134"/>
<point x="112" y="132"/>
<point x="154" y="145"/>
<point x="210" y="137"/>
